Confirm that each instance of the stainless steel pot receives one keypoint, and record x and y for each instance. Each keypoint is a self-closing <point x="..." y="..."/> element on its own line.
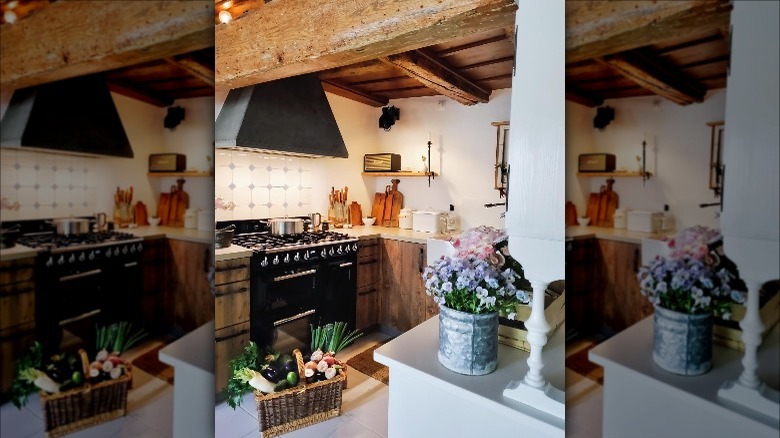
<point x="286" y="226"/>
<point x="71" y="226"/>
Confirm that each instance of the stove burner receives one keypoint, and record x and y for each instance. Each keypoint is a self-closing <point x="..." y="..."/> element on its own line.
<point x="51" y="241"/>
<point x="265" y="241"/>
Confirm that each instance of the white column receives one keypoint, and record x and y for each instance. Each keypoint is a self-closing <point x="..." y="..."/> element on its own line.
<point x="751" y="199"/>
<point x="536" y="196"/>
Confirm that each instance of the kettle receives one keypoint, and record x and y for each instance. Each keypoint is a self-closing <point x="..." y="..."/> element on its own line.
<point x="101" y="222"/>
<point x="315" y="221"/>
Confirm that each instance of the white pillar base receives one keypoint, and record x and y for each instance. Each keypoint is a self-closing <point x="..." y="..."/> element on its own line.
<point x="762" y="400"/>
<point x="546" y="399"/>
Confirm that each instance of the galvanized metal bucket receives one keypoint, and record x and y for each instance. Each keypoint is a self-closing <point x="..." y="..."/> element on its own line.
<point x="682" y="343"/>
<point x="468" y="343"/>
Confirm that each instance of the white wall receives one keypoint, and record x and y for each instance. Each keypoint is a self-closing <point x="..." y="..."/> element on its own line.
<point x="751" y="213"/>
<point x="463" y="153"/>
<point x="678" y="154"/>
<point x="95" y="180"/>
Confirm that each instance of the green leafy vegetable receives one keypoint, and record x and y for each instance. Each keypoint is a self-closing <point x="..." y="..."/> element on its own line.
<point x="238" y="385"/>
<point x="22" y="386"/>
<point x="332" y="337"/>
<point x="118" y="337"/>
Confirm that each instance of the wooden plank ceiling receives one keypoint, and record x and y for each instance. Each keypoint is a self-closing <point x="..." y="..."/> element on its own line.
<point x="677" y="50"/>
<point x="157" y="68"/>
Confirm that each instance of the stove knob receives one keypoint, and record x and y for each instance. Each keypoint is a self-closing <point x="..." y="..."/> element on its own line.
<point x="339" y="251"/>
<point x="306" y="255"/>
<point x="91" y="255"/>
<point x="330" y="252"/>
<point x="354" y="246"/>
<point x="276" y="260"/>
<point x="132" y="249"/>
<point x="324" y="253"/>
<point x="264" y="263"/>
<point x="116" y="251"/>
<point x="72" y="258"/>
<point x="287" y="258"/>
<point x="82" y="257"/>
<point x="61" y="260"/>
<point x="108" y="253"/>
<point x="139" y="247"/>
<point x="297" y="257"/>
<point x="347" y="248"/>
<point x="50" y="262"/>
<point x="124" y="250"/>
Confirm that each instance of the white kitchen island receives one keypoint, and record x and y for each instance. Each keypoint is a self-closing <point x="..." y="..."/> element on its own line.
<point x="643" y="400"/>
<point x="429" y="400"/>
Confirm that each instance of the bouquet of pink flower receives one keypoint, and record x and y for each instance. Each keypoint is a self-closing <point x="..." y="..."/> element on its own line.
<point x="220" y="203"/>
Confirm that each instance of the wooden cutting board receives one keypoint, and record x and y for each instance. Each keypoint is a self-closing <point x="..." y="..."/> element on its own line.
<point x="571" y="213"/>
<point x="602" y="213"/>
<point x="398" y="203"/>
<point x="612" y="205"/>
<point x="164" y="207"/>
<point x="182" y="203"/>
<point x="378" y="207"/>
<point x="140" y="214"/>
<point x="172" y="209"/>
<point x="355" y="214"/>
<point x="592" y="210"/>
<point x="388" y="211"/>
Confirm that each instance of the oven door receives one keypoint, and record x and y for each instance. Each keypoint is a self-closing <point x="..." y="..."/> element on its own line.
<point x="283" y="305"/>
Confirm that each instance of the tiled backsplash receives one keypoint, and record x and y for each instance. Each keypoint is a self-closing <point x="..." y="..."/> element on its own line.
<point x="262" y="185"/>
<point x="47" y="185"/>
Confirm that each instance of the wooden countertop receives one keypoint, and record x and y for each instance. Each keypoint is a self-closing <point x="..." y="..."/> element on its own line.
<point x="619" y="235"/>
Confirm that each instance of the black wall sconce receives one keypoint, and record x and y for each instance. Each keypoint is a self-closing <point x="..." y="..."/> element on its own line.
<point x="389" y="115"/>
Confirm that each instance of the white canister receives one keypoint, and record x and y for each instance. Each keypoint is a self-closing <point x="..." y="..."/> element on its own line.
<point x="621" y="219"/>
<point x="206" y="220"/>
<point x="405" y="218"/>
<point x="191" y="218"/>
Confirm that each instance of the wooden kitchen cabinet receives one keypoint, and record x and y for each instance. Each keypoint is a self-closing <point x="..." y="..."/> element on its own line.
<point x="368" y="285"/>
<point x="622" y="303"/>
<point x="231" y="315"/>
<point x="153" y="267"/>
<point x="404" y="303"/>
<point x="17" y="315"/>
<point x="583" y="311"/>
<point x="188" y="299"/>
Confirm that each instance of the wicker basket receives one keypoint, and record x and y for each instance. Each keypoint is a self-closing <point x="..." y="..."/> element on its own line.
<point x="68" y="411"/>
<point x="306" y="404"/>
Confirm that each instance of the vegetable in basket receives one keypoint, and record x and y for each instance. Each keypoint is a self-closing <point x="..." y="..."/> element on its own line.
<point x="332" y="337"/>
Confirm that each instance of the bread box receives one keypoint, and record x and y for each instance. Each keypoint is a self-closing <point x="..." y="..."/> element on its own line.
<point x="428" y="221"/>
<point x="647" y="221"/>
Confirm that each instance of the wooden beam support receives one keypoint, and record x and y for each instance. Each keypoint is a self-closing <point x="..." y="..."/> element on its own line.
<point x="354" y="94"/>
<point x="359" y="69"/>
<point x="509" y="33"/>
<point x="599" y="28"/>
<point x="654" y="74"/>
<point x="137" y="93"/>
<point x="478" y="43"/>
<point x="57" y="43"/>
<point x="583" y="97"/>
<point x="433" y="74"/>
<point x="194" y="67"/>
<point x="288" y="38"/>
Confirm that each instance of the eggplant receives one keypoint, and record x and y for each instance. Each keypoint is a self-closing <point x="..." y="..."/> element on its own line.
<point x="271" y="374"/>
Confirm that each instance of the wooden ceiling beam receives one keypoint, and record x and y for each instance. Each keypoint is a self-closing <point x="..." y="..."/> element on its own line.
<point x="288" y="38"/>
<point x="144" y="95"/>
<point x="600" y="28"/>
<point x="48" y="46"/>
<point x="359" y="69"/>
<point x="435" y="75"/>
<point x="354" y="94"/>
<point x="462" y="47"/>
<point x="509" y="34"/>
<point x="582" y="97"/>
<point x="654" y="74"/>
<point x="194" y="67"/>
<point x="488" y="62"/>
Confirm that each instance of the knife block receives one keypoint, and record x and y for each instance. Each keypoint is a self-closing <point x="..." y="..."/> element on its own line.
<point x="123" y="215"/>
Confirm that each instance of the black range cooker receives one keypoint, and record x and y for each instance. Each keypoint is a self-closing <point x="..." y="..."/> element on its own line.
<point x="82" y="280"/>
<point x="296" y="280"/>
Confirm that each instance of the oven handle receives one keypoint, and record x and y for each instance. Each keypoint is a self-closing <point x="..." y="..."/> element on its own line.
<point x="296" y="275"/>
<point x="345" y="264"/>
<point x="294" y="317"/>
<point x="81" y="275"/>
<point x="80" y="317"/>
<point x="131" y="264"/>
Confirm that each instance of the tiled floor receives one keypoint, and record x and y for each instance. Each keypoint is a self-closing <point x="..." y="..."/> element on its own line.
<point x="364" y="407"/>
<point x="149" y="406"/>
<point x="584" y="399"/>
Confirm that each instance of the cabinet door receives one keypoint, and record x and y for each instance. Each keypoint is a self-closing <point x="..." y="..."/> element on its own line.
<point x="154" y="280"/>
<point x="368" y="287"/>
<point x="404" y="300"/>
<point x="229" y="343"/>
<point x="231" y="292"/>
<point x="17" y="315"/>
<point x="623" y="304"/>
<point x="583" y="310"/>
<point x="189" y="303"/>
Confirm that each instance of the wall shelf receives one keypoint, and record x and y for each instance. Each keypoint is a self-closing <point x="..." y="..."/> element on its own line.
<point x="398" y="173"/>
<point x="616" y="174"/>
<point x="188" y="173"/>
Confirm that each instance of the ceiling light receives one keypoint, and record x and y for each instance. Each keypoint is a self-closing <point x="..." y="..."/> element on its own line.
<point x="225" y="16"/>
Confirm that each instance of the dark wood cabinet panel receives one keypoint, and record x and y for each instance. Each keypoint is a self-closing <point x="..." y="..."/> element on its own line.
<point x="188" y="300"/>
<point x="404" y="302"/>
<point x="623" y="304"/>
<point x="368" y="287"/>
<point x="154" y="271"/>
<point x="583" y="309"/>
<point x="17" y="315"/>
<point x="229" y="343"/>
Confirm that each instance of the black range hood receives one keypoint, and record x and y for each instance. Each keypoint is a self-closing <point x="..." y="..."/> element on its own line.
<point x="76" y="116"/>
<point x="288" y="116"/>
